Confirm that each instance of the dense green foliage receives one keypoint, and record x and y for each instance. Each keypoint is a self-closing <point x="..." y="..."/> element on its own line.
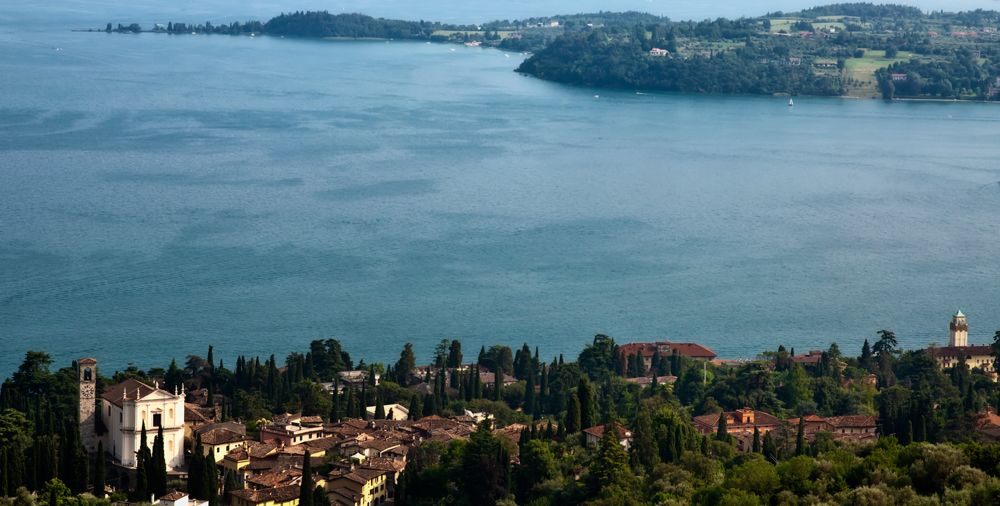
<point x="592" y="59"/>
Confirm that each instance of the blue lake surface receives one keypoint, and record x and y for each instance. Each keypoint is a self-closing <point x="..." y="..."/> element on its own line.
<point x="162" y="193"/>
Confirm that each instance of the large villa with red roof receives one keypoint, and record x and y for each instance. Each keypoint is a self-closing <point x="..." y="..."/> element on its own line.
<point x="665" y="349"/>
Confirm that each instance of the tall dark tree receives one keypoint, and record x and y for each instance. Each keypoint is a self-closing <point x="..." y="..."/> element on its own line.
<point x="756" y="439"/>
<point x="99" y="472"/>
<point x="157" y="468"/>
<point x="800" y="439"/>
<point x="485" y="475"/>
<point x="379" y="407"/>
<point x="407" y="362"/>
<point x="306" y="487"/>
<point x="455" y="354"/>
<point x="644" y="448"/>
<point x="529" y="392"/>
<point x="588" y="408"/>
<point x="770" y="449"/>
<point x="572" y="423"/>
<point x="722" y="433"/>
<point x="197" y="488"/>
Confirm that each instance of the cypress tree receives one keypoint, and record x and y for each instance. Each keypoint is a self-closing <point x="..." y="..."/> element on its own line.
<point x="349" y="396"/>
<point x="335" y="408"/>
<point x="99" y="472"/>
<point x="770" y="449"/>
<point x="722" y="434"/>
<point x="416" y="408"/>
<point x="363" y="402"/>
<point x="588" y="411"/>
<point x="230" y="486"/>
<point x="196" y="472"/>
<point x="800" y="439"/>
<point x="572" y="424"/>
<point x="379" y="407"/>
<point x="756" y="439"/>
<point x="461" y="387"/>
<point x="306" y="490"/>
<point x="429" y="408"/>
<point x="644" y="447"/>
<point x="212" y="480"/>
<point x="141" y="482"/>
<point x="921" y="429"/>
<point x="497" y="383"/>
<point x="529" y="392"/>
<point x="158" y="466"/>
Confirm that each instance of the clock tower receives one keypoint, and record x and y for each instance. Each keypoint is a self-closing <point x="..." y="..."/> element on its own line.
<point x="88" y="403"/>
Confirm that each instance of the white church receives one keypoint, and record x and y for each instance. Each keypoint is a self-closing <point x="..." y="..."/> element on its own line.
<point x="124" y="409"/>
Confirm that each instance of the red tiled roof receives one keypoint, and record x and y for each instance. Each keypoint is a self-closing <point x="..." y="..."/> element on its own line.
<point x="598" y="431"/>
<point x="222" y="436"/>
<point x="86" y="361"/>
<point x="173" y="496"/>
<point x="279" y="494"/>
<point x="760" y="418"/>
<point x="853" y="421"/>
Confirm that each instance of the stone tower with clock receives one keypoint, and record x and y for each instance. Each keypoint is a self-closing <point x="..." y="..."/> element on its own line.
<point x="88" y="403"/>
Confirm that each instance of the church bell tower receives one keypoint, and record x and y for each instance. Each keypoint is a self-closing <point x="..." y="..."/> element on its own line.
<point x="959" y="331"/>
<point x="88" y="403"/>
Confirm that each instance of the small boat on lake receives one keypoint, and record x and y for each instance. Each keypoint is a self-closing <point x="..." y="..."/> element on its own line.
<point x="790" y="103"/>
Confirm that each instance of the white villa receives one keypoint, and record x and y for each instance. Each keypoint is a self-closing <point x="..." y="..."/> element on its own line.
<point x="129" y="404"/>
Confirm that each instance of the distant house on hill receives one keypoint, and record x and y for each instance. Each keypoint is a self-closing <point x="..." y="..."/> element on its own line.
<point x="658" y="52"/>
<point x="741" y="421"/>
<point x="826" y="65"/>
<point x="665" y="349"/>
<point x="899" y="77"/>
<point x="594" y="435"/>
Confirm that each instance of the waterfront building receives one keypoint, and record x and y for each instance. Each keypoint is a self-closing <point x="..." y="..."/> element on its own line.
<point x="132" y="404"/>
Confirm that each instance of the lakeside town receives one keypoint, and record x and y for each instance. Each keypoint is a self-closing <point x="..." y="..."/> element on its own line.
<point x="673" y="417"/>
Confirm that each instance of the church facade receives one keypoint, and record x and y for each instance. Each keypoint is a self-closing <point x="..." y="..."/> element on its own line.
<point x="129" y="405"/>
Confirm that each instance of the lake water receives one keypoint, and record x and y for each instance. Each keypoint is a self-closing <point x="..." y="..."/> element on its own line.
<point x="161" y="193"/>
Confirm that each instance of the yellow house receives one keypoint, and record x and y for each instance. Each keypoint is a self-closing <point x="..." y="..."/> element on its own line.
<point x="361" y="487"/>
<point x="280" y="496"/>
<point x="219" y="442"/>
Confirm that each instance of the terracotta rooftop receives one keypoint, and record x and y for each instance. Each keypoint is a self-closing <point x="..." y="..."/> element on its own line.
<point x="949" y="351"/>
<point x="279" y="494"/>
<point x="853" y="421"/>
<point x="173" y="496"/>
<point x="221" y="437"/>
<point x="760" y="419"/>
<point x="363" y="476"/>
<point x="598" y="431"/>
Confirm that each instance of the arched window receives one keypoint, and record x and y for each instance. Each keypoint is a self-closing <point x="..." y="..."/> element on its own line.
<point x="170" y="445"/>
<point x="170" y="414"/>
<point x="142" y="418"/>
<point x="86" y="374"/>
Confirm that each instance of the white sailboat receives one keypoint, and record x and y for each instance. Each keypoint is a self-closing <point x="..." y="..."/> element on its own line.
<point x="790" y="103"/>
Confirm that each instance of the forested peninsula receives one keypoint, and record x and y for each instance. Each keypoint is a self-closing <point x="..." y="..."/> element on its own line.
<point x="858" y="50"/>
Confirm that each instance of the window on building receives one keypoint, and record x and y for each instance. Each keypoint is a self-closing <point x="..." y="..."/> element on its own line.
<point x="170" y="445"/>
<point x="170" y="414"/>
<point x="157" y="419"/>
<point x="86" y="374"/>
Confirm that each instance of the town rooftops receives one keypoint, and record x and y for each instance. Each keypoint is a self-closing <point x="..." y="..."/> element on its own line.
<point x="173" y="496"/>
<point x="279" y="494"/>
<point x="852" y="421"/>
